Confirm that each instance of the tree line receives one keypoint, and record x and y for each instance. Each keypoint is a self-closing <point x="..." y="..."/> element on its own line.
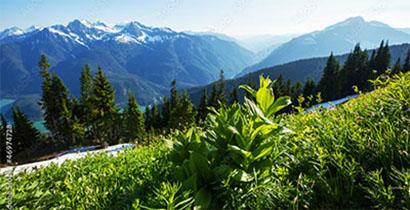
<point x="338" y="81"/>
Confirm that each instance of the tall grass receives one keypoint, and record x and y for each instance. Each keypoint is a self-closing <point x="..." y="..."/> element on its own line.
<point x="97" y="182"/>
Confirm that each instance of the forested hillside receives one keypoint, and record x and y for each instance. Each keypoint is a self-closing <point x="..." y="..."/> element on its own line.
<point x="302" y="71"/>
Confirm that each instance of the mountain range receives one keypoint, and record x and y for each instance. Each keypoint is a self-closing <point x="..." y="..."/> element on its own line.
<point x="338" y="38"/>
<point x="146" y="59"/>
<point x="134" y="56"/>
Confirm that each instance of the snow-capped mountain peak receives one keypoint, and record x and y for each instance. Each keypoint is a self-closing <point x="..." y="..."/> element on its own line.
<point x="14" y="31"/>
<point x="33" y="28"/>
<point x="85" y="33"/>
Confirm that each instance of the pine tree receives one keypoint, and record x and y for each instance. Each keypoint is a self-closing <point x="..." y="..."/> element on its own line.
<point x="296" y="90"/>
<point x="203" y="107"/>
<point x="234" y="96"/>
<point x="397" y="67"/>
<point x="46" y="102"/>
<point x="310" y="88"/>
<point x="61" y="111"/>
<point x="329" y="85"/>
<point x="76" y="126"/>
<point x="218" y="92"/>
<point x="165" y="113"/>
<point x="309" y="92"/>
<point x="221" y="88"/>
<point x="288" y="88"/>
<point x="24" y="135"/>
<point x="183" y="115"/>
<point x="156" y="117"/>
<point x="355" y="72"/>
<point x="86" y="84"/>
<point x="174" y="94"/>
<point x="134" y="127"/>
<point x="86" y="92"/>
<point x="279" y="88"/>
<point x="57" y="106"/>
<point x="104" y="111"/>
<point x="148" y="120"/>
<point x="371" y="65"/>
<point x="44" y="66"/>
<point x="213" y="99"/>
<point x="382" y="58"/>
<point x="406" y="65"/>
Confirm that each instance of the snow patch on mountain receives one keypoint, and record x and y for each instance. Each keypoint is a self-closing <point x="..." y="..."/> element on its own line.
<point x="125" y="38"/>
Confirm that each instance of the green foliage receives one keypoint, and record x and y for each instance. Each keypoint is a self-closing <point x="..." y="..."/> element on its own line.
<point x="329" y="85"/>
<point x="177" y="112"/>
<point x="218" y="95"/>
<point x="96" y="182"/>
<point x="355" y="156"/>
<point x="57" y="107"/>
<point x="169" y="197"/>
<point x="234" y="150"/>
<point x="203" y="107"/>
<point x="86" y="97"/>
<point x="382" y="58"/>
<point x="104" y="113"/>
<point x="24" y="134"/>
<point x="134" y="122"/>
<point x="355" y="72"/>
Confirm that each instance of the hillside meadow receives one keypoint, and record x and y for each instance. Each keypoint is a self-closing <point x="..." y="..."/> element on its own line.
<point x="246" y="157"/>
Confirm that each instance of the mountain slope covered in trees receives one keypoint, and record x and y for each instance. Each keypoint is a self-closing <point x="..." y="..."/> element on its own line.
<point x="300" y="71"/>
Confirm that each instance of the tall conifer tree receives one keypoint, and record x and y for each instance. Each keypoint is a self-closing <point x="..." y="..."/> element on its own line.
<point x="203" y="107"/>
<point x="355" y="72"/>
<point x="104" y="111"/>
<point x="234" y="96"/>
<point x="24" y="135"/>
<point x="329" y="85"/>
<point x="134" y="127"/>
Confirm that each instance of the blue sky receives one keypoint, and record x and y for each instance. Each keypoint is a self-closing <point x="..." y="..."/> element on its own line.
<point x="232" y="17"/>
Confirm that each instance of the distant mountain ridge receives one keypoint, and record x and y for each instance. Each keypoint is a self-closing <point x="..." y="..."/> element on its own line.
<point x="337" y="38"/>
<point x="137" y="57"/>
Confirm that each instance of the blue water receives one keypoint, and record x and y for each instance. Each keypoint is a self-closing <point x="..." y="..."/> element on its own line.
<point x="39" y="125"/>
<point x="6" y="102"/>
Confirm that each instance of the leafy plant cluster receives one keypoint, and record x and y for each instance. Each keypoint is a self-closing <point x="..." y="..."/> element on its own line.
<point x="236" y="150"/>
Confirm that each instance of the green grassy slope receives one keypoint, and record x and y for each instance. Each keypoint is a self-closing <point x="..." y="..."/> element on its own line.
<point x="355" y="156"/>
